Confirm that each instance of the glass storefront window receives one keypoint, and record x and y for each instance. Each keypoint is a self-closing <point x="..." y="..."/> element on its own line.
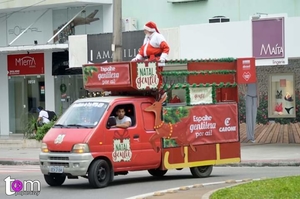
<point x="26" y="93"/>
<point x="281" y="96"/>
<point x="68" y="89"/>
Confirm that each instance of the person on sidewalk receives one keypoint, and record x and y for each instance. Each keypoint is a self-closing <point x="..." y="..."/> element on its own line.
<point x="252" y="103"/>
<point x="43" y="116"/>
<point x="155" y="46"/>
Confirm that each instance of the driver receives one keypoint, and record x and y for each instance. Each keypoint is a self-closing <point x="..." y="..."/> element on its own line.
<point x="122" y="121"/>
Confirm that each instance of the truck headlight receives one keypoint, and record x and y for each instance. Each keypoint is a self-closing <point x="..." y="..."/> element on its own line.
<point x="44" y="148"/>
<point x="80" y="148"/>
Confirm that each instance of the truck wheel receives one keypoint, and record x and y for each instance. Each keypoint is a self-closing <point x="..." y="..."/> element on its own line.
<point x="55" y="180"/>
<point x="99" y="174"/>
<point x="201" y="172"/>
<point x="157" y="172"/>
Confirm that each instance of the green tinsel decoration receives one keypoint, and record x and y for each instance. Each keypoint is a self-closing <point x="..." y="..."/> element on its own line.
<point x="185" y="61"/>
<point x="187" y="95"/>
<point x="201" y="85"/>
<point x="214" y="94"/>
<point x="203" y="72"/>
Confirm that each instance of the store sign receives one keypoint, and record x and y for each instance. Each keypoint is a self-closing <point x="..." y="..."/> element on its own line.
<point x="99" y="46"/>
<point x="27" y="28"/>
<point x="268" y="40"/>
<point x="246" y="70"/>
<point x="25" y="64"/>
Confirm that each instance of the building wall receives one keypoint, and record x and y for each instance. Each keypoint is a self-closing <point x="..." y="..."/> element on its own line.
<point x="171" y="15"/>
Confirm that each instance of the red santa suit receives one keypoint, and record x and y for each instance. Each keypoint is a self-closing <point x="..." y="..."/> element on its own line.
<point x="154" y="47"/>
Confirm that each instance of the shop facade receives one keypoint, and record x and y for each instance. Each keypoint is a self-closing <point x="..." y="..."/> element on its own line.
<point x="34" y="60"/>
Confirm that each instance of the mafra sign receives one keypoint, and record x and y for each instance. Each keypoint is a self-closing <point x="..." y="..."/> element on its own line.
<point x="25" y="64"/>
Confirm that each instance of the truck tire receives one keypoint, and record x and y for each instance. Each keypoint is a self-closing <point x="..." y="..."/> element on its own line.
<point x="54" y="179"/>
<point x="99" y="174"/>
<point x="201" y="172"/>
<point x="157" y="172"/>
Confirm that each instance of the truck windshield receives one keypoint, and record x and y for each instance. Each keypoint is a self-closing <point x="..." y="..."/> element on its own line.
<point x="82" y="115"/>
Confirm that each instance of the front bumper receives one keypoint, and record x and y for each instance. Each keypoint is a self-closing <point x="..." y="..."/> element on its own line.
<point x="73" y="164"/>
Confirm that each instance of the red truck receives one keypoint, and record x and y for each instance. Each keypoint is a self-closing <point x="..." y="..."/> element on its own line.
<point x="184" y="115"/>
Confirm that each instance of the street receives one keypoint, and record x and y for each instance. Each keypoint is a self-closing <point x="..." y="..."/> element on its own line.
<point x="135" y="183"/>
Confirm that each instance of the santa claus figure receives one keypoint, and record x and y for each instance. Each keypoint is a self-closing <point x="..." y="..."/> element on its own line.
<point x="154" y="47"/>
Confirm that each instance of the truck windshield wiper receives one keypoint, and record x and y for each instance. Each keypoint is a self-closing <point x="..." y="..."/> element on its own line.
<point x="77" y="125"/>
<point x="60" y="125"/>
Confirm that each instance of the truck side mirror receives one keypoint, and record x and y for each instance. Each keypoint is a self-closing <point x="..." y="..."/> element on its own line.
<point x="111" y="121"/>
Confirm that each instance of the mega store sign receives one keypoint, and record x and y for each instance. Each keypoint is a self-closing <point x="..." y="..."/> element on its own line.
<point x="25" y="64"/>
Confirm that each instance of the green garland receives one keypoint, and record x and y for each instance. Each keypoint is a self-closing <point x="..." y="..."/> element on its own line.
<point x="203" y="72"/>
<point x="214" y="94"/>
<point x="185" y="61"/>
<point x="184" y="85"/>
<point x="187" y="95"/>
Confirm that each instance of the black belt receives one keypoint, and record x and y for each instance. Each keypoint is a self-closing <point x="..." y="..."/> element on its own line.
<point x="157" y="55"/>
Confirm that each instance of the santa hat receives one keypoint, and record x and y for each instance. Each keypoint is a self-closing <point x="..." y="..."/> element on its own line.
<point x="151" y="27"/>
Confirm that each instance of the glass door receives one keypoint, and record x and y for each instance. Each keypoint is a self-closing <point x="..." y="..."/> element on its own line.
<point x="26" y="93"/>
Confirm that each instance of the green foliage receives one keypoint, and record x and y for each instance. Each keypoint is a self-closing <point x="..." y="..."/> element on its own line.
<point x="201" y="72"/>
<point x="168" y="143"/>
<point x="278" y="188"/>
<point x="41" y="131"/>
<point x="185" y="61"/>
<point x="88" y="72"/>
<point x="174" y="114"/>
<point x="29" y="126"/>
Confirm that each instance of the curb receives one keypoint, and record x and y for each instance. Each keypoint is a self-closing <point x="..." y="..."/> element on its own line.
<point x="205" y="196"/>
<point x="19" y="162"/>
<point x="273" y="163"/>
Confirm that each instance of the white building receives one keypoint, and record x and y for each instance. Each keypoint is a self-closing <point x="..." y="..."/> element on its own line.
<point x="34" y="54"/>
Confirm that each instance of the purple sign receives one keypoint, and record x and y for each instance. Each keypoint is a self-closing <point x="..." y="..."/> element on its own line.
<point x="268" y="38"/>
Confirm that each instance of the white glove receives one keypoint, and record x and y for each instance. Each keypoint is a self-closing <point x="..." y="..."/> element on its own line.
<point x="137" y="58"/>
<point x="162" y="60"/>
<point x="163" y="57"/>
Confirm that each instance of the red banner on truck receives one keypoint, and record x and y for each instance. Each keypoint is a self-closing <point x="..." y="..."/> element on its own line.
<point x="203" y="124"/>
<point x="105" y="76"/>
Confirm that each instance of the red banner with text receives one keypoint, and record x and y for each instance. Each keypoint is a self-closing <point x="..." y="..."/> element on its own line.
<point x="25" y="64"/>
<point x="204" y="124"/>
<point x="106" y="76"/>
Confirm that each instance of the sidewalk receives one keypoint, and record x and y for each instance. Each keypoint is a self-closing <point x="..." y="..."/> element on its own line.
<point x="251" y="155"/>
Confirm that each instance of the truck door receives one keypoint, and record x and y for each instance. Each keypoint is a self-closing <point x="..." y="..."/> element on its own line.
<point x="147" y="120"/>
<point x="125" y="142"/>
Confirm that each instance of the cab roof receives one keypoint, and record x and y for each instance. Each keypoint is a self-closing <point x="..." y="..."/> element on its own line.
<point x="109" y="99"/>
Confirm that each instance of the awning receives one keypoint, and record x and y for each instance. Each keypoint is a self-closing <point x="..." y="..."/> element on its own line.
<point x="30" y="48"/>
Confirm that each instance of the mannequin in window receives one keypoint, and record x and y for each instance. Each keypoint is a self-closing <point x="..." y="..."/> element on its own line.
<point x="250" y="91"/>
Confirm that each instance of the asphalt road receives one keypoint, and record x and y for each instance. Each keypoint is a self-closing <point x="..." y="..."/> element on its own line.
<point x="134" y="183"/>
